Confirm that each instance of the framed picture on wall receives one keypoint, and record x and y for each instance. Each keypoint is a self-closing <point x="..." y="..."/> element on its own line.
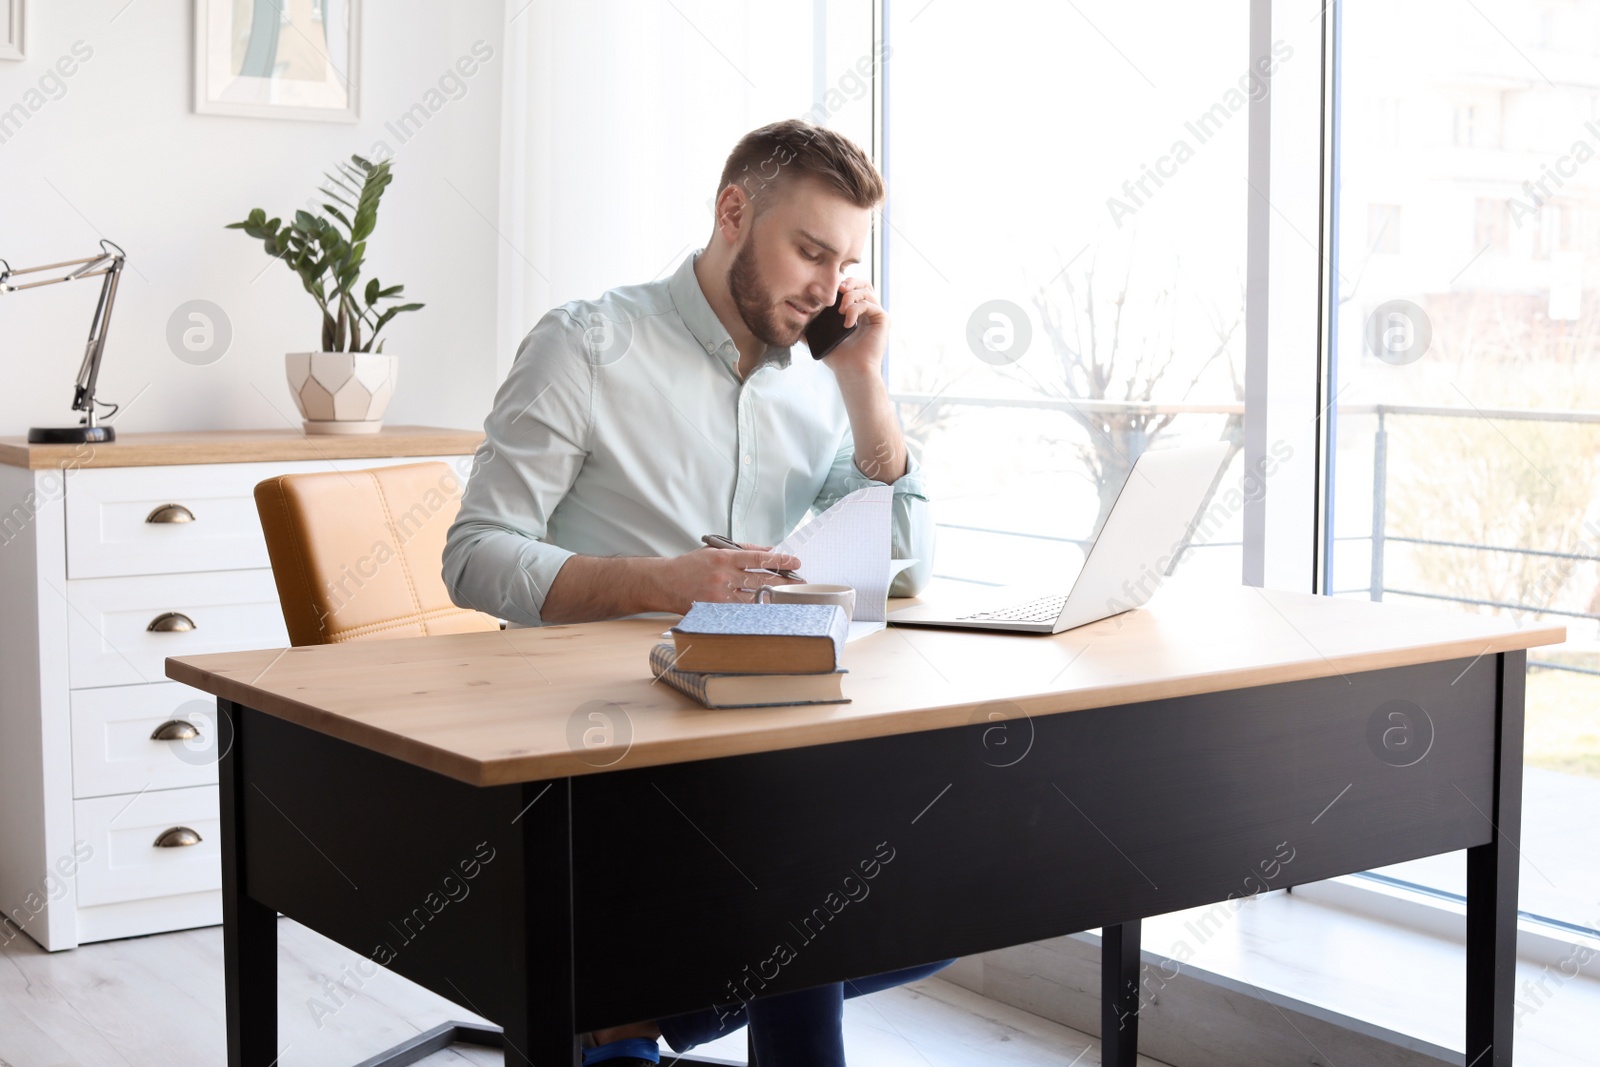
<point x="277" y="59"/>
<point x="11" y="29"/>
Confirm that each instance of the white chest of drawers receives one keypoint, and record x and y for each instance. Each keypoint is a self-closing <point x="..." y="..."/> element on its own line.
<point x="113" y="557"/>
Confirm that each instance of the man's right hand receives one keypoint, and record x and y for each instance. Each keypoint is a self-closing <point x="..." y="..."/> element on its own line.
<point x="606" y="587"/>
<point x="722" y="574"/>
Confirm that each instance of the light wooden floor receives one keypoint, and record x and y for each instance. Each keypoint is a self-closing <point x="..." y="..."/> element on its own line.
<point x="158" y="1002"/>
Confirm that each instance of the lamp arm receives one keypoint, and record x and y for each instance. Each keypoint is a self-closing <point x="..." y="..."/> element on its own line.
<point x="108" y="262"/>
<point x="89" y="373"/>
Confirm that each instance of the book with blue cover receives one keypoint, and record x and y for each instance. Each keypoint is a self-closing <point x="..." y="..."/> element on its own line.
<point x="761" y="638"/>
<point x="747" y="690"/>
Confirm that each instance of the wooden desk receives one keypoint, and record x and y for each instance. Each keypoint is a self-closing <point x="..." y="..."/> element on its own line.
<point x="1024" y="788"/>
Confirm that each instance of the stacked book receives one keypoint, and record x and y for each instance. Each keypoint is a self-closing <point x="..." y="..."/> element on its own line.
<point x="756" y="655"/>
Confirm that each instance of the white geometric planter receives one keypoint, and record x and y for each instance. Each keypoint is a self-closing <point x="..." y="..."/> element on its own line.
<point x="341" y="392"/>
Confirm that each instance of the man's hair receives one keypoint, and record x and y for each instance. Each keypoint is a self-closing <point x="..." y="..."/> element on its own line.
<point x="765" y="160"/>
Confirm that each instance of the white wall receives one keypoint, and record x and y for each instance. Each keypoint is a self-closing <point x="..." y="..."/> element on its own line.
<point x="121" y="154"/>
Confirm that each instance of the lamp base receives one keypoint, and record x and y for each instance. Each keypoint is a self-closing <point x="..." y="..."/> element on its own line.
<point x="71" y="435"/>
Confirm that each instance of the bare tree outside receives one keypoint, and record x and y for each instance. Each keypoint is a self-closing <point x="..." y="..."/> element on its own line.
<point x="1113" y="338"/>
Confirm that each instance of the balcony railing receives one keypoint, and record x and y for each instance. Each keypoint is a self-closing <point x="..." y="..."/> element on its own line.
<point x="1380" y="536"/>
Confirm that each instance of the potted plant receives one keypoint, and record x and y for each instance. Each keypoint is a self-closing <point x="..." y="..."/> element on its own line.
<point x="345" y="387"/>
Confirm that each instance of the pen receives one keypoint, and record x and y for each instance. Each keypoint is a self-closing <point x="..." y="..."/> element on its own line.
<point x="718" y="541"/>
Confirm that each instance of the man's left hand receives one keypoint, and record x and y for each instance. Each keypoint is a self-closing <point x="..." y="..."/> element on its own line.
<point x="861" y="353"/>
<point x="857" y="362"/>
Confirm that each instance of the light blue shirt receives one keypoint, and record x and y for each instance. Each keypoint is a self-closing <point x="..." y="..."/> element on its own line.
<point x="624" y="429"/>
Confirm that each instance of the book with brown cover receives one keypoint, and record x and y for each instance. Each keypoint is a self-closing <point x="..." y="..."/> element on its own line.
<point x="761" y="638"/>
<point x="747" y="690"/>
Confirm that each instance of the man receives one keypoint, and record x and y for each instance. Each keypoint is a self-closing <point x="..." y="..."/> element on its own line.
<point x="632" y="424"/>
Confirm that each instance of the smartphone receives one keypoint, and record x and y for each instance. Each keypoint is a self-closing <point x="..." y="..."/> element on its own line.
<point x="825" y="331"/>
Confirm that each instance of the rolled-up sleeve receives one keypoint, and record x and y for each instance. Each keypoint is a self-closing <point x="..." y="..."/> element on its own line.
<point x="911" y="517"/>
<point x="496" y="559"/>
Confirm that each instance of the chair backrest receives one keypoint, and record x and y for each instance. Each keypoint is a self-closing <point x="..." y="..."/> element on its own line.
<point x="356" y="554"/>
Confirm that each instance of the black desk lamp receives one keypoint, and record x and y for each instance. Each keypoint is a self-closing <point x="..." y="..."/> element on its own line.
<point x="108" y="263"/>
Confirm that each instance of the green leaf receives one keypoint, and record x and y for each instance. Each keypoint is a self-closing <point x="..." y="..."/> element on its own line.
<point x="336" y="213"/>
<point x="391" y="313"/>
<point x="340" y="186"/>
<point x="372" y="292"/>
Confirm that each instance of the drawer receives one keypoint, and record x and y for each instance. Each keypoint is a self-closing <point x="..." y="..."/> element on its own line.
<point x="119" y="522"/>
<point x="114" y="527"/>
<point x="112" y="747"/>
<point x="127" y="864"/>
<point x="109" y="641"/>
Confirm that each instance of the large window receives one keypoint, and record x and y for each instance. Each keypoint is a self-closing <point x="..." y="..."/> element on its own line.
<point x="1065" y="261"/>
<point x="1467" y="367"/>
<point x="1065" y="255"/>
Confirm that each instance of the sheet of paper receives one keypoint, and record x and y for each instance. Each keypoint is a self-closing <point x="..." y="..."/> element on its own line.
<point x="862" y="629"/>
<point x="849" y="545"/>
<point x="898" y="565"/>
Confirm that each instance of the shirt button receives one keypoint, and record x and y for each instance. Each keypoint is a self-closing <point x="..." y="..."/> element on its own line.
<point x="747" y="459"/>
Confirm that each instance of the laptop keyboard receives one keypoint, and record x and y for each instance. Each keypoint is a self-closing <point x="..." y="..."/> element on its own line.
<point x="1045" y="609"/>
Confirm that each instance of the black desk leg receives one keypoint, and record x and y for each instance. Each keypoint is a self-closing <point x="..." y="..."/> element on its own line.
<point x="1492" y="887"/>
<point x="539" y="932"/>
<point x="249" y="928"/>
<point x="1119" y="994"/>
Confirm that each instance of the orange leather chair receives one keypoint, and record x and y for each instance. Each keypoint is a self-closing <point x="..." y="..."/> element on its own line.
<point x="356" y="554"/>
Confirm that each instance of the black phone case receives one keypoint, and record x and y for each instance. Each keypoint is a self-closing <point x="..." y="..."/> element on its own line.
<point x="825" y="331"/>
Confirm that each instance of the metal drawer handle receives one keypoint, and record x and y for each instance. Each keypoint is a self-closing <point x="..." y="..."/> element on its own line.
<point x="170" y="513"/>
<point x="177" y="837"/>
<point x="171" y="622"/>
<point x="175" y="730"/>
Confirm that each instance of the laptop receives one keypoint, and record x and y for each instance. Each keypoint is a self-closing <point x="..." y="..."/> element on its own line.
<point x="1149" y="524"/>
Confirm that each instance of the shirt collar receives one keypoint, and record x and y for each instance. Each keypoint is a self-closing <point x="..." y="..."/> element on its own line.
<point x="702" y="321"/>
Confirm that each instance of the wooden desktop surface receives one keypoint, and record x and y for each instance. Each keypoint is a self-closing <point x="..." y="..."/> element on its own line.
<point x="509" y="706"/>
<point x="239" y="446"/>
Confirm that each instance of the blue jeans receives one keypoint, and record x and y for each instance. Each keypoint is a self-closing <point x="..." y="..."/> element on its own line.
<point x="800" y="1029"/>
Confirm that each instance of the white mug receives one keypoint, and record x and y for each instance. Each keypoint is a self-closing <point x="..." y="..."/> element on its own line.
<point x="807" y="593"/>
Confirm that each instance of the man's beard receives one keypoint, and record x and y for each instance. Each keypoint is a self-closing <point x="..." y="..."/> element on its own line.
<point x="754" y="301"/>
